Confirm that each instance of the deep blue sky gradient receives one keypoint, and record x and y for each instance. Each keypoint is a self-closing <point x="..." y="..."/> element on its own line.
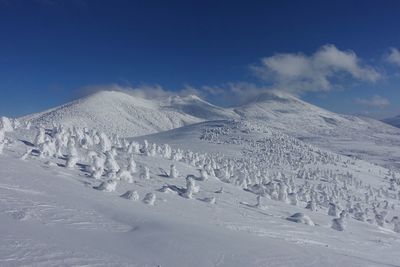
<point x="49" y="49"/>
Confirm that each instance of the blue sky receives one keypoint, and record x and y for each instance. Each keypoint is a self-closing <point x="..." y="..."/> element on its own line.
<point x="340" y="55"/>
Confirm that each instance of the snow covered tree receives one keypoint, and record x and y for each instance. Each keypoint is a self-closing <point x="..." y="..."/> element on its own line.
<point x="132" y="165"/>
<point x="6" y="124"/>
<point x="203" y="175"/>
<point x="293" y="199"/>
<point x="131" y="195"/>
<point x="396" y="222"/>
<point x="26" y="154"/>
<point x="282" y="193"/>
<point x="149" y="198"/>
<point x="191" y="187"/>
<point x="339" y="223"/>
<point x="40" y="137"/>
<point x="311" y="205"/>
<point x="333" y="210"/>
<point x="2" y="140"/>
<point x="134" y="148"/>
<point x="173" y="173"/>
<point x="107" y="186"/>
<point x="111" y="165"/>
<point x="97" y="166"/>
<point x="105" y="143"/>
<point x="145" y="173"/>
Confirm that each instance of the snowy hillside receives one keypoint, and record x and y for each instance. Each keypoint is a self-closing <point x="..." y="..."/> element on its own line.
<point x="222" y="193"/>
<point x="395" y="121"/>
<point x="115" y="113"/>
<point x="128" y="116"/>
<point x="365" y="138"/>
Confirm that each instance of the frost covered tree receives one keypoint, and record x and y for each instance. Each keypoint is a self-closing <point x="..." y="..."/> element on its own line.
<point x="311" y="205"/>
<point x="149" y="198"/>
<point x="26" y="154"/>
<point x="6" y="124"/>
<point x="72" y="154"/>
<point x="173" y="172"/>
<point x="293" y="198"/>
<point x="282" y="194"/>
<point x="203" y="175"/>
<point x="132" y="165"/>
<point x="145" y="173"/>
<point x="133" y="148"/>
<point x="131" y="195"/>
<point x="111" y="164"/>
<point x="40" y="137"/>
<point x="107" y="186"/>
<point x="396" y="224"/>
<point x="191" y="187"/>
<point x="97" y="166"/>
<point x="380" y="217"/>
<point x="333" y="210"/>
<point x="47" y="148"/>
<point x="105" y="142"/>
<point x="2" y="140"/>
<point x="339" y="223"/>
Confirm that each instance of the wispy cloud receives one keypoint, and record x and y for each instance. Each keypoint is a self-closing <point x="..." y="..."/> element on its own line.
<point x="143" y="90"/>
<point x="393" y="57"/>
<point x="376" y="101"/>
<point x="321" y="71"/>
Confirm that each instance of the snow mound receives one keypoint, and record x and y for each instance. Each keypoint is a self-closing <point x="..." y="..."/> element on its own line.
<point x="300" y="218"/>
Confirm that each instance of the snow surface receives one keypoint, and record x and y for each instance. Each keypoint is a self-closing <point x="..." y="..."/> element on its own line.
<point x="126" y="115"/>
<point x="269" y="183"/>
<point x="54" y="216"/>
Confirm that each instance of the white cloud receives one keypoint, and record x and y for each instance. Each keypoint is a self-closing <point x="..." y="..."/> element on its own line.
<point x="320" y="71"/>
<point x="375" y="101"/>
<point x="234" y="93"/>
<point x="393" y="57"/>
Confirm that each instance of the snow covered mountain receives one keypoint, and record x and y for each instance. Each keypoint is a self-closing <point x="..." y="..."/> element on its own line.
<point x="395" y="121"/>
<point x="126" y="115"/>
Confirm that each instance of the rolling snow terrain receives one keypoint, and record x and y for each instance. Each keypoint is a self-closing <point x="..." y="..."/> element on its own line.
<point x="119" y="113"/>
<point x="117" y="180"/>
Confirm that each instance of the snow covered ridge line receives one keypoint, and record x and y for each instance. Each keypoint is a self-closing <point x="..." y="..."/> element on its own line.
<point x="279" y="168"/>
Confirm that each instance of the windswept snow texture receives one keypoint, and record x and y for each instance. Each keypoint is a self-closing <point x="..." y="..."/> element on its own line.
<point x="236" y="215"/>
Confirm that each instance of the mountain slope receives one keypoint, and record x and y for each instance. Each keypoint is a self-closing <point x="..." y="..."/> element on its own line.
<point x="365" y="138"/>
<point x="395" y="121"/>
<point x="126" y="115"/>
